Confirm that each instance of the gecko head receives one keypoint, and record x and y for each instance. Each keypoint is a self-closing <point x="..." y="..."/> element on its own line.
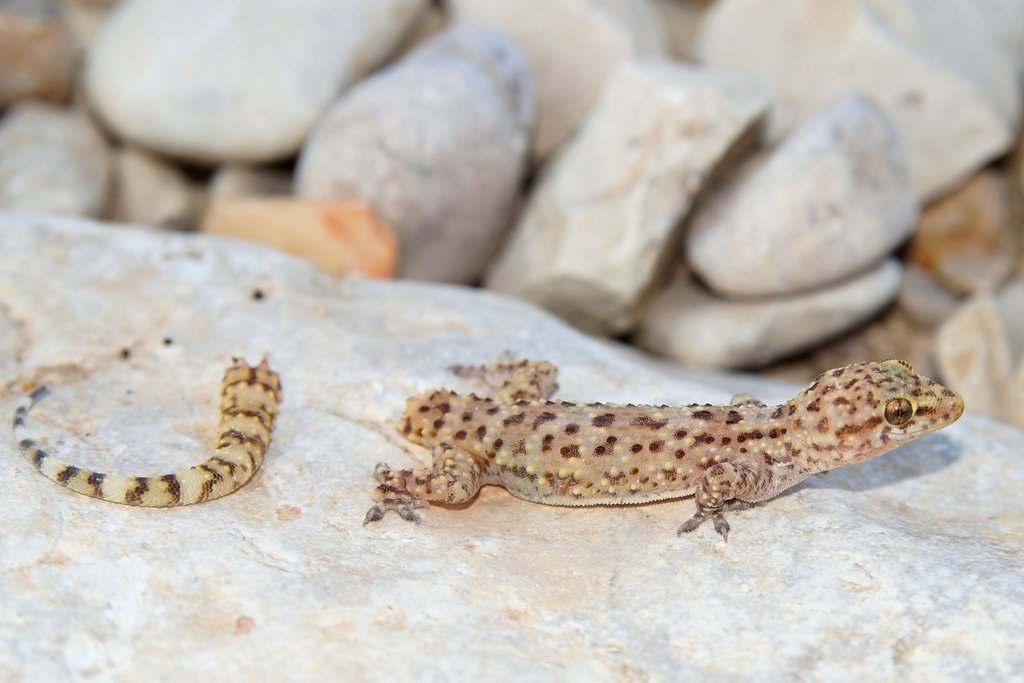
<point x="857" y="412"/>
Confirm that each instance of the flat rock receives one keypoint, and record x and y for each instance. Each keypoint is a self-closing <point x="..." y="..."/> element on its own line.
<point x="437" y="144"/>
<point x="833" y="199"/>
<point x="573" y="47"/>
<point x="606" y="212"/>
<point x="151" y="191"/>
<point x="37" y="52"/>
<point x="947" y="73"/>
<point x="280" y="581"/>
<point x="52" y="159"/>
<point x="967" y="239"/>
<point x="689" y="324"/>
<point x="237" y="80"/>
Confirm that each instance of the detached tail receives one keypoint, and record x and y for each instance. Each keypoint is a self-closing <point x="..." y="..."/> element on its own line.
<point x="250" y="396"/>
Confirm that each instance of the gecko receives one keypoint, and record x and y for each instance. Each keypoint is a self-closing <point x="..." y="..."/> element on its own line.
<point x="249" y="400"/>
<point x="580" y="454"/>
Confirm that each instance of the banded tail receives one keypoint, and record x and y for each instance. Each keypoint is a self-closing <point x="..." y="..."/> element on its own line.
<point x="250" y="396"/>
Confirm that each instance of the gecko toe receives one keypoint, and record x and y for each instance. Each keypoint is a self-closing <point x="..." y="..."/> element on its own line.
<point x="407" y="513"/>
<point x="721" y="526"/>
<point x="374" y="514"/>
<point x="690" y="525"/>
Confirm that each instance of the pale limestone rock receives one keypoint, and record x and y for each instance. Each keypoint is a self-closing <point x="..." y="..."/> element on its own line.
<point x="922" y="298"/>
<point x="967" y="239"/>
<point x="437" y="144"/>
<point x="432" y="21"/>
<point x="687" y="323"/>
<point x="681" y="21"/>
<point x="603" y="218"/>
<point x="980" y="353"/>
<point x="52" y="160"/>
<point x="280" y="581"/>
<point x="85" y="18"/>
<point x="244" y="180"/>
<point x="235" y="80"/>
<point x="832" y="200"/>
<point x="37" y="52"/>
<point x="892" y="334"/>
<point x="341" y="237"/>
<point x="945" y="72"/>
<point x="151" y="191"/>
<point x="573" y="47"/>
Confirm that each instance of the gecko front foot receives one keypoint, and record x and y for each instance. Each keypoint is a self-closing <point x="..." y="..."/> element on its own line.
<point x="717" y="516"/>
<point x="406" y="509"/>
<point x="699" y="517"/>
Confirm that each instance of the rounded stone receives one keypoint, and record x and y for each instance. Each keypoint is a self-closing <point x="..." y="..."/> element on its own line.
<point x="946" y="73"/>
<point x="570" y="72"/>
<point x="832" y="200"/>
<point x="968" y="239"/>
<point x="150" y="191"/>
<point x="437" y="144"/>
<point x="37" y="52"/>
<point x="236" y="80"/>
<point x="687" y="323"/>
<point x="53" y="159"/>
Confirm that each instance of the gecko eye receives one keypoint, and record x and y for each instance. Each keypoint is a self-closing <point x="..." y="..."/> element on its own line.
<point x="899" y="411"/>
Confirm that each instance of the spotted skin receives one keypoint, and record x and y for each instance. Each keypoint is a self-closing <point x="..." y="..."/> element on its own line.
<point x="728" y="457"/>
<point x="250" y="396"/>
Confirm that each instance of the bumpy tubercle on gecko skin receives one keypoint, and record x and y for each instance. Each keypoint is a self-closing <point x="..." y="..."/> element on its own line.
<point x="728" y="457"/>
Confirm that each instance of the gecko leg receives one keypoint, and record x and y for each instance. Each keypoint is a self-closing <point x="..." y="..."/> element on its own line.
<point x="717" y="492"/>
<point x="455" y="477"/>
<point x="517" y="380"/>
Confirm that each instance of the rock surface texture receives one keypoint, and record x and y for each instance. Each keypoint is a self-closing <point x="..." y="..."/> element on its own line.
<point x="573" y="47"/>
<point x="946" y="72"/>
<point x="237" y="80"/>
<point x="53" y="160"/>
<point x="833" y="199"/>
<point x="437" y="145"/>
<point x="906" y="567"/>
<point x="604" y="217"/>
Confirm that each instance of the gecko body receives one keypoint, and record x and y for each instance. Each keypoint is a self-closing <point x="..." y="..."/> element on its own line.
<point x="250" y="396"/>
<point x="728" y="457"/>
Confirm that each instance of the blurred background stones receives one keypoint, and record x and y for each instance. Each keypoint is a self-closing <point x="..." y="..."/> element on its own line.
<point x="604" y="214"/>
<point x="37" y="52"/>
<point x="772" y="185"/>
<point x="438" y="144"/>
